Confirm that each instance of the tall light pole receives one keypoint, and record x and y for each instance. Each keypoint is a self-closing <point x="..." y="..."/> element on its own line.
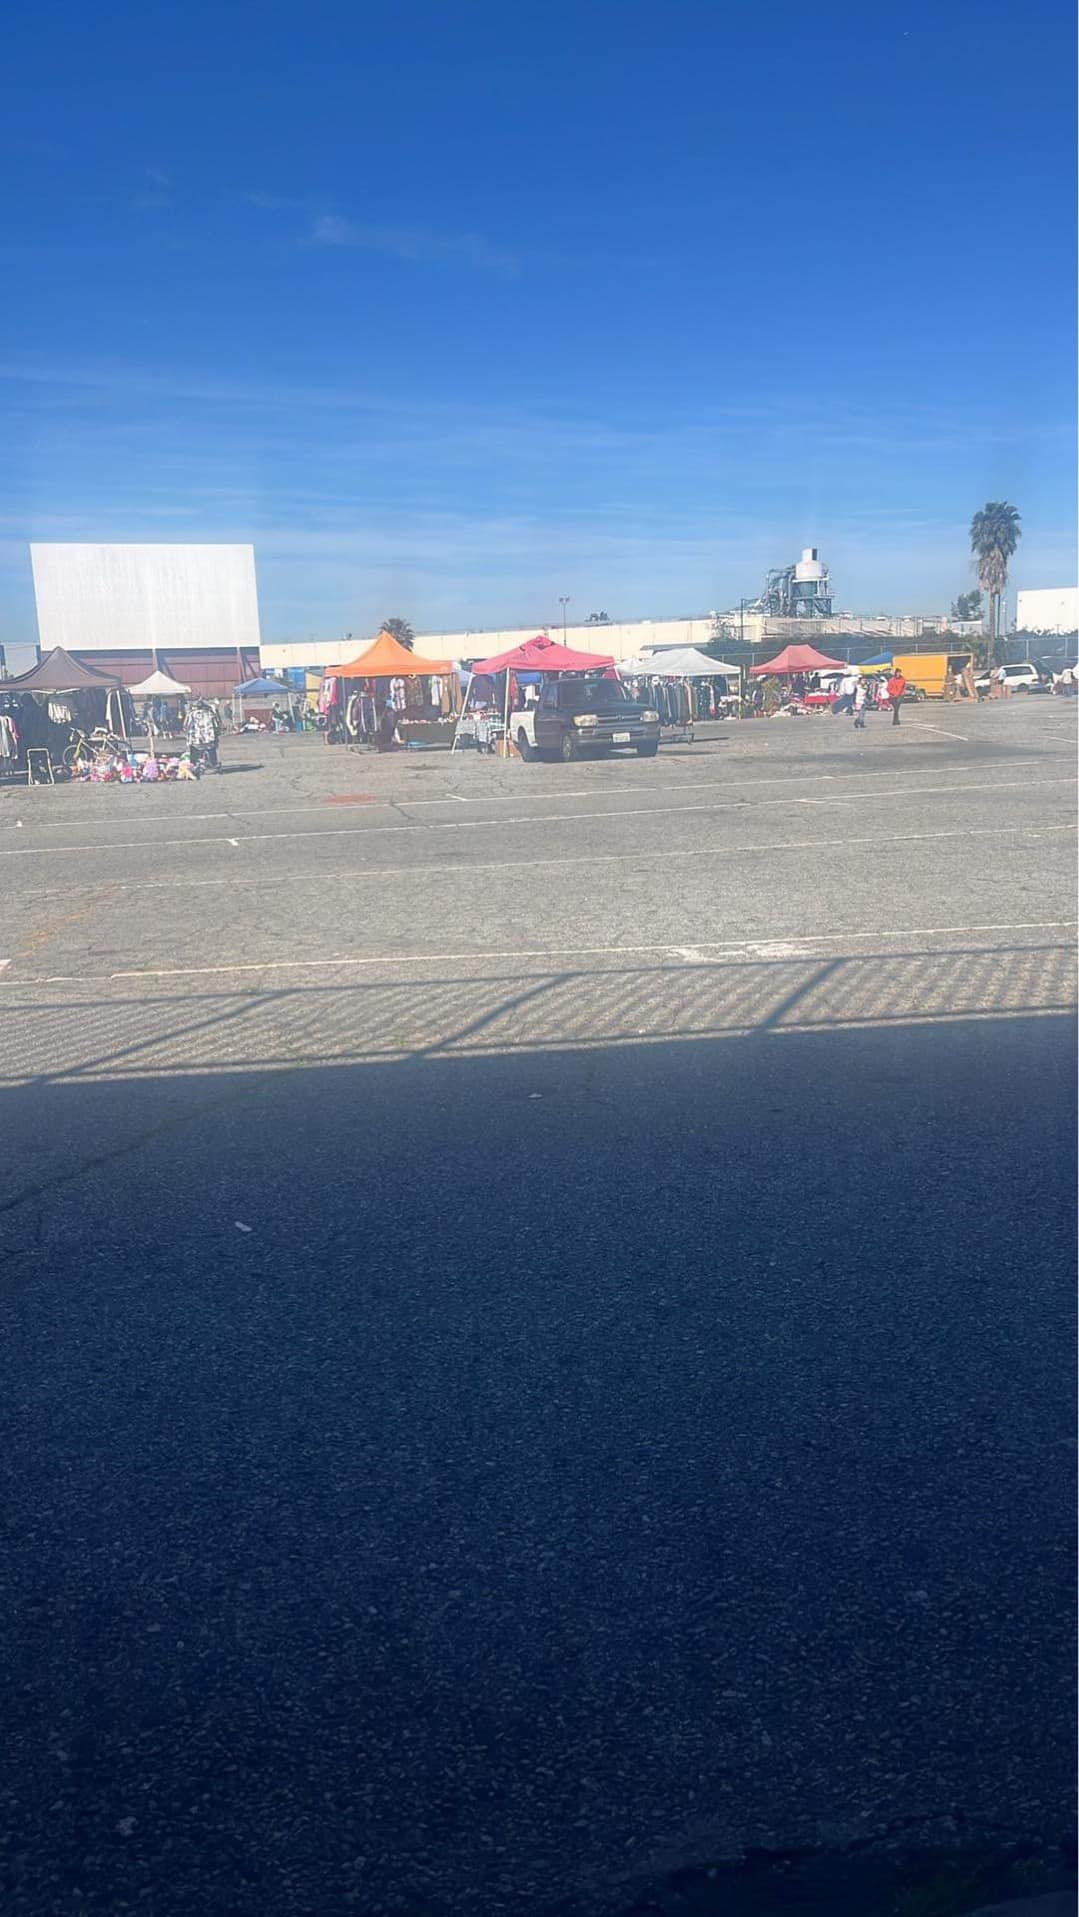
<point x="564" y="602"/>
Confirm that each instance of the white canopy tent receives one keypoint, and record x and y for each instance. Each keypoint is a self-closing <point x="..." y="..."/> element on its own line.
<point x="680" y="662"/>
<point x="159" y="685"/>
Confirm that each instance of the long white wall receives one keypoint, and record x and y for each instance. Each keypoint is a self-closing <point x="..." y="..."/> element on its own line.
<point x="118" y="598"/>
<point x="628" y="639"/>
<point x="621" y="640"/>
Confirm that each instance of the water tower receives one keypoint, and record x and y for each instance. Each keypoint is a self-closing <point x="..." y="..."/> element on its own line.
<point x="801" y="591"/>
<point x="811" y="588"/>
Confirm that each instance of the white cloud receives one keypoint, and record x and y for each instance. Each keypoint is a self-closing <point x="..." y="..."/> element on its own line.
<point x="415" y="244"/>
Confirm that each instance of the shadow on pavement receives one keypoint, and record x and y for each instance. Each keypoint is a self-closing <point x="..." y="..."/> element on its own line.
<point x="457" y="1484"/>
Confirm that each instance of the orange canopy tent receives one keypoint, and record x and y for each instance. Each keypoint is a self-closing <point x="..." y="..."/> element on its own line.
<point x="387" y="658"/>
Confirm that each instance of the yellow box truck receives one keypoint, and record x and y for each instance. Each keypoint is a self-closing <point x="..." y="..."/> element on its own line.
<point x="937" y="673"/>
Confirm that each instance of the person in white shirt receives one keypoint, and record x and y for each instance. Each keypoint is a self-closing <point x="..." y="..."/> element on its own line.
<point x="848" y="686"/>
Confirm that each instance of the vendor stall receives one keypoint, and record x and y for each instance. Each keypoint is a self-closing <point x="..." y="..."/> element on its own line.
<point x="529" y="663"/>
<point x="55" y="704"/>
<point x="798" y="666"/>
<point x="260" y="695"/>
<point x="164" y="696"/>
<point x="700" y="676"/>
<point x="382" y="697"/>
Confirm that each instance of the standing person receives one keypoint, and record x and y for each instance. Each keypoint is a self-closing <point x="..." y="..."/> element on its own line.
<point x="848" y="686"/>
<point x="387" y="727"/>
<point x="203" y="729"/>
<point x="861" y="700"/>
<point x="1000" y="679"/>
<point x="897" y="686"/>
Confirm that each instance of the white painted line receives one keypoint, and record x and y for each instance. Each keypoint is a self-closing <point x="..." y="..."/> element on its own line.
<point x="362" y="874"/>
<point x="922" y="725"/>
<point x="784" y="951"/>
<point x="560" y="793"/>
<point x="776" y="950"/>
<point x="525" y="819"/>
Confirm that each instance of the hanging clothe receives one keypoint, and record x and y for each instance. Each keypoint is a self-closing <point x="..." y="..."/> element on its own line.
<point x="115" y="715"/>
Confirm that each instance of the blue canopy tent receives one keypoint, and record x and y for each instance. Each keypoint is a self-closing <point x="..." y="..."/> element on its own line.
<point x="261" y="688"/>
<point x="258" y="692"/>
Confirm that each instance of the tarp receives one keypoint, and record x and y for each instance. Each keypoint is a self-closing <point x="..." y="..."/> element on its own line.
<point x="797" y="659"/>
<point x="681" y="662"/>
<point x="262" y="688"/>
<point x="59" y="672"/>
<point x="544" y="655"/>
<point x="878" y="659"/>
<point x="387" y="658"/>
<point x="159" y="686"/>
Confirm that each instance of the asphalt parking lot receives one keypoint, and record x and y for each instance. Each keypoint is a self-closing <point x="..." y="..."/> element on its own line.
<point x="537" y="1315"/>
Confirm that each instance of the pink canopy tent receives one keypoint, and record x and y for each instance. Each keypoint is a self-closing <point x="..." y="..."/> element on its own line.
<point x="796" y="659"/>
<point x="543" y="655"/>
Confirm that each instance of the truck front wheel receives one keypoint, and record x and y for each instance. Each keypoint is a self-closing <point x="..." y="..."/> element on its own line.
<point x="568" y="748"/>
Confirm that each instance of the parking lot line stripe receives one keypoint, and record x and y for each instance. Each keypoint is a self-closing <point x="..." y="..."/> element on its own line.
<point x="426" y="872"/>
<point x="733" y="948"/>
<point x="362" y="874"/>
<point x="923" y="725"/>
<point x="523" y="819"/>
<point x="581" y="792"/>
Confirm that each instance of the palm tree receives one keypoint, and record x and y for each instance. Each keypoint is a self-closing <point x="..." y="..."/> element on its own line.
<point x="995" y="533"/>
<point x="400" y="630"/>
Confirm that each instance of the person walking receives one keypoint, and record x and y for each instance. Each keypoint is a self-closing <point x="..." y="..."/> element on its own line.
<point x="848" y="686"/>
<point x="861" y="700"/>
<point x="897" y="686"/>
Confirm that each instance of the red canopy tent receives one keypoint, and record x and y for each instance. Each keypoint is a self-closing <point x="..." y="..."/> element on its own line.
<point x="536" y="655"/>
<point x="796" y="659"/>
<point x="543" y="655"/>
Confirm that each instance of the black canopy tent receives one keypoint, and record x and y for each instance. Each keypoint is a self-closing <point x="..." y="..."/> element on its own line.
<point x="89" y="697"/>
<point x="59" y="672"/>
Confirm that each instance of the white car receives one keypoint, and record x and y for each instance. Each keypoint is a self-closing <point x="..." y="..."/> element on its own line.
<point x="1023" y="677"/>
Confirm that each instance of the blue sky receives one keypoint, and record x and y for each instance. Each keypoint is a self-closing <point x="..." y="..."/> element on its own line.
<point x="452" y="310"/>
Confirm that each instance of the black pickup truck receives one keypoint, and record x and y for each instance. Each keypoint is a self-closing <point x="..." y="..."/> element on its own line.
<point x="577" y="713"/>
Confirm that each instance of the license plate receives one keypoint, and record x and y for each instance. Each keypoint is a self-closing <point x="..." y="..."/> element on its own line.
<point x="621" y="738"/>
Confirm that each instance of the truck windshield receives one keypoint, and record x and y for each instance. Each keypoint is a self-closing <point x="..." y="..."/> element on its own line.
<point x="591" y="695"/>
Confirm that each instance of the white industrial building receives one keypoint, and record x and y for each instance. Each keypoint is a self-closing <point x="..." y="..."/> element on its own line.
<point x="1052" y="609"/>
